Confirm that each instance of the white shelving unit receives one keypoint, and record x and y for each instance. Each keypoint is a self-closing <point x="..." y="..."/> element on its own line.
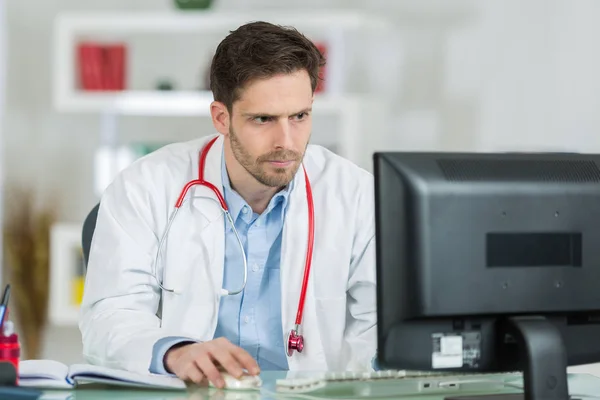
<point x="332" y="24"/>
<point x="67" y="98"/>
<point x="70" y="26"/>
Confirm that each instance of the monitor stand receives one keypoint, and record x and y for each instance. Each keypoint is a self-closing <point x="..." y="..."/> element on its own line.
<point x="543" y="357"/>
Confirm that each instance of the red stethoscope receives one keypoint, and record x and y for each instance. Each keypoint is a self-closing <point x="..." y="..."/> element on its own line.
<point x="295" y="341"/>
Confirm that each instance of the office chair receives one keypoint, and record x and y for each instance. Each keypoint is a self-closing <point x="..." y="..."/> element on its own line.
<point x="89" y="225"/>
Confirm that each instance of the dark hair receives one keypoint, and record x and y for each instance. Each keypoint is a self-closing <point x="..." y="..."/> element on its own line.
<point x="260" y="50"/>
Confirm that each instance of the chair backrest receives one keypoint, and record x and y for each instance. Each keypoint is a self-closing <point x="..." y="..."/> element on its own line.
<point x="89" y="225"/>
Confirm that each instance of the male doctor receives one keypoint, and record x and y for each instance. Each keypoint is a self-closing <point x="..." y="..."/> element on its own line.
<point x="164" y="310"/>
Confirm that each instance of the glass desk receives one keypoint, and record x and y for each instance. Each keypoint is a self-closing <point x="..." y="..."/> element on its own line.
<point x="579" y="384"/>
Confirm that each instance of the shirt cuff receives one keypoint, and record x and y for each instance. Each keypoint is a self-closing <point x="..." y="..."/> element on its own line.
<point x="157" y="364"/>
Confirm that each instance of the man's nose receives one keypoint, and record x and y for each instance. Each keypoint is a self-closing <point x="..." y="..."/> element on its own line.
<point x="283" y="134"/>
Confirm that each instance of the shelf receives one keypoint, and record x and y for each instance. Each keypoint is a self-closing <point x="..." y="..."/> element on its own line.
<point x="71" y="27"/>
<point x="211" y="20"/>
<point x="146" y="103"/>
<point x="71" y="24"/>
<point x="170" y="103"/>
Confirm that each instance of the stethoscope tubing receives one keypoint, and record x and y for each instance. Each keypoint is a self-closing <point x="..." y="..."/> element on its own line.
<point x="295" y="339"/>
<point x="224" y="292"/>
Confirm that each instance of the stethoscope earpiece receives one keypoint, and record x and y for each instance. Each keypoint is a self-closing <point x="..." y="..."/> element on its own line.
<point x="174" y="291"/>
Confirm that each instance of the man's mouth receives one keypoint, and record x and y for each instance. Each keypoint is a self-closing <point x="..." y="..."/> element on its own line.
<point x="280" y="164"/>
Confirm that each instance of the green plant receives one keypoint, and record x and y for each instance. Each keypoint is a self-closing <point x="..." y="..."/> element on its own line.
<point x="193" y="4"/>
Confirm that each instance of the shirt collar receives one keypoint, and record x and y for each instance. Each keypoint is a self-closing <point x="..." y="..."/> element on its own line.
<point x="236" y="203"/>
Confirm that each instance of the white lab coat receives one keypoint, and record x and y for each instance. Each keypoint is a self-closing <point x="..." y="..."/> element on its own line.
<point x="124" y="312"/>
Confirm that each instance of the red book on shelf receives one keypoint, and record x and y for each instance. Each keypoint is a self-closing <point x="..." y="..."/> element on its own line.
<point x="90" y="66"/>
<point x="101" y="66"/>
<point x="114" y="67"/>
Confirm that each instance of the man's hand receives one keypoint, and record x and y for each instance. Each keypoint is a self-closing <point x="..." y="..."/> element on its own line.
<point x="197" y="361"/>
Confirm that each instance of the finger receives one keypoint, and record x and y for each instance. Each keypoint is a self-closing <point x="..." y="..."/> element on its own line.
<point x="246" y="360"/>
<point x="227" y="361"/>
<point x="208" y="368"/>
<point x="192" y="374"/>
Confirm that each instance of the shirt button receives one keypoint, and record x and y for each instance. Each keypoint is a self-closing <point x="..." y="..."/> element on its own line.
<point x="246" y="319"/>
<point x="255" y="268"/>
<point x="245" y="210"/>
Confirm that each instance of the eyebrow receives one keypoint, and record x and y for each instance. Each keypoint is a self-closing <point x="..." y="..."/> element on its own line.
<point x="267" y="115"/>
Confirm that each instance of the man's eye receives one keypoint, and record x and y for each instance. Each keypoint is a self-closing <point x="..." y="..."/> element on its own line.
<point x="301" y="116"/>
<point x="262" y="120"/>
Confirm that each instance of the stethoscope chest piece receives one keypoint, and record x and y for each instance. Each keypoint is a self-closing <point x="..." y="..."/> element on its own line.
<point x="295" y="341"/>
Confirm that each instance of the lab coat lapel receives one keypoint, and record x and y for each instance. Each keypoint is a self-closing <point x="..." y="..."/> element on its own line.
<point x="206" y="202"/>
<point x="293" y="255"/>
<point x="195" y="254"/>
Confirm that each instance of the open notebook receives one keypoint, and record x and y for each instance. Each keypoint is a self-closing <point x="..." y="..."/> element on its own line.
<point x="48" y="374"/>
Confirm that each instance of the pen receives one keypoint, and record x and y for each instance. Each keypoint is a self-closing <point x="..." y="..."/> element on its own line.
<point x="4" y="306"/>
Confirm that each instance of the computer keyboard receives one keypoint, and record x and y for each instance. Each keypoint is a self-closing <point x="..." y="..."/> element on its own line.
<point x="392" y="382"/>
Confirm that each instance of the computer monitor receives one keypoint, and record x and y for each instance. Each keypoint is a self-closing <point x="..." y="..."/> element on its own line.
<point x="489" y="263"/>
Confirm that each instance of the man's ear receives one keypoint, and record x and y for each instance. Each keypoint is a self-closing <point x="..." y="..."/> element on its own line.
<point x="220" y="117"/>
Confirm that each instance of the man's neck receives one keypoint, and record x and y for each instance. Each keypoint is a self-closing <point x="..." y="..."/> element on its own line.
<point x="253" y="192"/>
<point x="256" y="195"/>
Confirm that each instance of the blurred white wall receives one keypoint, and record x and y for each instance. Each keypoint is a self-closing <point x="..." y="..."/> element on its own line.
<point x="538" y="80"/>
<point x="458" y="75"/>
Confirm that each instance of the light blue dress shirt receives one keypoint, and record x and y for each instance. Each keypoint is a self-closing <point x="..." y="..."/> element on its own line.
<point x="251" y="319"/>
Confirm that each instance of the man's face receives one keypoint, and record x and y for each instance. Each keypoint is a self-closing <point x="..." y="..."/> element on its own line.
<point x="270" y="127"/>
